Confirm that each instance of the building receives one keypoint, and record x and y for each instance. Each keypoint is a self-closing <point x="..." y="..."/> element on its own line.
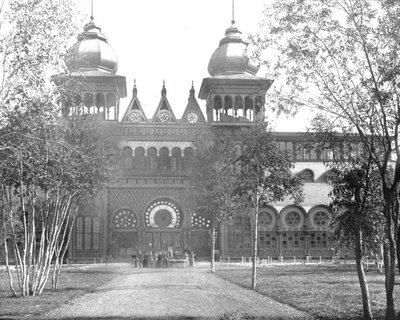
<point x="148" y="208"/>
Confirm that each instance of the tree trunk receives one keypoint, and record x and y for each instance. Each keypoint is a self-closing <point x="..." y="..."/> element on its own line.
<point x="389" y="258"/>
<point x="367" y="314"/>
<point x="213" y="248"/>
<point x="398" y="247"/>
<point x="255" y="244"/>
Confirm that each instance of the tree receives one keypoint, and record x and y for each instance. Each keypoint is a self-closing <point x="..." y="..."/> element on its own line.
<point x="215" y="177"/>
<point x="266" y="176"/>
<point x="48" y="164"/>
<point x="49" y="170"/>
<point x="359" y="219"/>
<point x="341" y="58"/>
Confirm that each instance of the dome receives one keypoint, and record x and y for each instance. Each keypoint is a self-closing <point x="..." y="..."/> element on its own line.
<point x="230" y="57"/>
<point x="92" y="52"/>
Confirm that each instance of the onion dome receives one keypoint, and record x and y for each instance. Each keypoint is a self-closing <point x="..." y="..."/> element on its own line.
<point x="92" y="51"/>
<point x="230" y="57"/>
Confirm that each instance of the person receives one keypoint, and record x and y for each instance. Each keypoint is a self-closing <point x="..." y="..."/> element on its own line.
<point x="134" y="260"/>
<point x="139" y="259"/>
<point x="145" y="260"/>
<point x="165" y="259"/>
<point x="159" y="261"/>
<point x="186" y="258"/>
<point x="191" y="259"/>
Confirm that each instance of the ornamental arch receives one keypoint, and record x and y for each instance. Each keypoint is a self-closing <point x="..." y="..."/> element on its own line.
<point x="163" y="220"/>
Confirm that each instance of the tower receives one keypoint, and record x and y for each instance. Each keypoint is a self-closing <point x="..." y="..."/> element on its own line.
<point x="233" y="93"/>
<point x="94" y="64"/>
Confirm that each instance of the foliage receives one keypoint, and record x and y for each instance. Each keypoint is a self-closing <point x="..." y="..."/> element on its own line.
<point x="266" y="171"/>
<point x="47" y="170"/>
<point x="341" y="58"/>
<point x="215" y="178"/>
<point x="357" y="204"/>
<point x="48" y="163"/>
<point x="266" y="175"/>
<point x="359" y="219"/>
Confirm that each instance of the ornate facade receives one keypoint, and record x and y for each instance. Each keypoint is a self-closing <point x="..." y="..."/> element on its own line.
<point x="148" y="209"/>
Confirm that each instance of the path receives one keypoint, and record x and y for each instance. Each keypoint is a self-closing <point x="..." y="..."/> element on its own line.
<point x="191" y="293"/>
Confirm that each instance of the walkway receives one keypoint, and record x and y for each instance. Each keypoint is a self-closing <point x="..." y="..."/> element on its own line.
<point x="191" y="293"/>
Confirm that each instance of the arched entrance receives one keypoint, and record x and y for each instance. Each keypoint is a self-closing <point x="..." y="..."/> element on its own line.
<point x="163" y="219"/>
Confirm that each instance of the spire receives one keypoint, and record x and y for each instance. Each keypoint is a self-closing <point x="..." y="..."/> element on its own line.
<point x="163" y="90"/>
<point x="91" y="15"/>
<point x="233" y="13"/>
<point x="134" y="90"/>
<point x="192" y="89"/>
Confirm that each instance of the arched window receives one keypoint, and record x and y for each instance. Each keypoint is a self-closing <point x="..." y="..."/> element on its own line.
<point x="188" y="155"/>
<point x="176" y="160"/>
<point x="111" y="104"/>
<point x="217" y="107"/>
<point x="139" y="159"/>
<point x="238" y="106"/>
<point x="100" y="102"/>
<point x="79" y="233"/>
<point x="88" y="101"/>
<point x="259" y="104"/>
<point x="127" y="158"/>
<point x="88" y="233"/>
<point x="248" y="107"/>
<point x="152" y="159"/>
<point x="96" y="233"/>
<point x="228" y="105"/>
<point x="164" y="162"/>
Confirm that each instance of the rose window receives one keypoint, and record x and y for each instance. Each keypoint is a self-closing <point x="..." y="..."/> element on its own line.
<point x="321" y="219"/>
<point x="135" y="117"/>
<point x="163" y="213"/>
<point x="292" y="219"/>
<point x="265" y="219"/>
<point x="124" y="219"/>
<point x="197" y="221"/>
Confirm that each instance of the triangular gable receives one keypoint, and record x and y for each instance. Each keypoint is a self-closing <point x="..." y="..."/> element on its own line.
<point x="134" y="113"/>
<point x="164" y="113"/>
<point x="193" y="113"/>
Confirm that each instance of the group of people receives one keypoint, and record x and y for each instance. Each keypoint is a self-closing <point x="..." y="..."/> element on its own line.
<point x="150" y="259"/>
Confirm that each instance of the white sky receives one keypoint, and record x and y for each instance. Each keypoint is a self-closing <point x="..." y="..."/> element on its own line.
<point x="170" y="40"/>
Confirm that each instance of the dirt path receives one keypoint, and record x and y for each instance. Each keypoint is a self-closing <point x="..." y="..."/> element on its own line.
<point x="191" y="293"/>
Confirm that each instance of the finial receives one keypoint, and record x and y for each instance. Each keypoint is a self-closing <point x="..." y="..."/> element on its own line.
<point x="163" y="91"/>
<point x="233" y="12"/>
<point x="134" y="88"/>
<point x="91" y="15"/>
<point x="192" y="89"/>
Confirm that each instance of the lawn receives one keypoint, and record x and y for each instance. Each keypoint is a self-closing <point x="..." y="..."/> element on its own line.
<point x="74" y="282"/>
<point x="323" y="290"/>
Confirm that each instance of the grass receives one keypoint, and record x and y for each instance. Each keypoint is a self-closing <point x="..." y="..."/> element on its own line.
<point x="322" y="290"/>
<point x="74" y="282"/>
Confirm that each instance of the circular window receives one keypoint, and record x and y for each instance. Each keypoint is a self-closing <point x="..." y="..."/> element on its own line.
<point x="321" y="218"/>
<point x="163" y="213"/>
<point x="163" y="117"/>
<point x="135" y="117"/>
<point x="292" y="219"/>
<point x="124" y="219"/>
<point x="265" y="219"/>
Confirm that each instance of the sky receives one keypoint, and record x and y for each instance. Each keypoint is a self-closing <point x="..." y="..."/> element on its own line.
<point x="171" y="41"/>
